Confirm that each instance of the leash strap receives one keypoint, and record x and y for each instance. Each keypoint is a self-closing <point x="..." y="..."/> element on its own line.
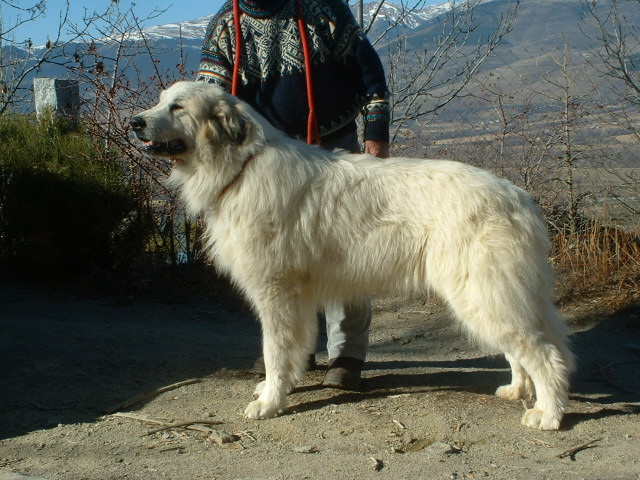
<point x="313" y="130"/>
<point x="236" y="62"/>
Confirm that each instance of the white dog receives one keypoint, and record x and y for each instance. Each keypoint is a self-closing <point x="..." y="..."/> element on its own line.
<point x="296" y="227"/>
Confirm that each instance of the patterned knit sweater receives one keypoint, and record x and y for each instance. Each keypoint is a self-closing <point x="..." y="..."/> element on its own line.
<point x="347" y="74"/>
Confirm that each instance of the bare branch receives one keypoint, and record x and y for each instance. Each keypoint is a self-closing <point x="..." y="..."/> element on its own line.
<point x="619" y="45"/>
<point x="426" y="82"/>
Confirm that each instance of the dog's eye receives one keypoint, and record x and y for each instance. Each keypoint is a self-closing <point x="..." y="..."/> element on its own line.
<point x="175" y="107"/>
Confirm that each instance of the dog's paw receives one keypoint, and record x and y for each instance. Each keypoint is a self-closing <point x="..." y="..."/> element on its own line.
<point x="259" y="388"/>
<point x="510" y="392"/>
<point x="259" y="410"/>
<point x="536" y="418"/>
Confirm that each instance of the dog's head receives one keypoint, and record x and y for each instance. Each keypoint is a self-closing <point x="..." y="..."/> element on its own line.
<point x="188" y="113"/>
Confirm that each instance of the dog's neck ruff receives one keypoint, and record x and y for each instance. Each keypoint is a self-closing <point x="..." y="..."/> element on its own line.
<point x="235" y="179"/>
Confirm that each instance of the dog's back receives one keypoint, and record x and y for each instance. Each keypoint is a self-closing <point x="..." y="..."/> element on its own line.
<point x="360" y="225"/>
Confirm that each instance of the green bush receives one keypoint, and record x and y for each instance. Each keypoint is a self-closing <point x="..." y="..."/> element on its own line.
<point x="63" y="200"/>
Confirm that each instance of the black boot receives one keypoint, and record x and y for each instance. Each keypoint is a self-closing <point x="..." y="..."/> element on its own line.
<point x="344" y="372"/>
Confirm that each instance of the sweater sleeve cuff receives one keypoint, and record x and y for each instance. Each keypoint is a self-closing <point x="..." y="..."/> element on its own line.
<point x="376" y="115"/>
<point x="209" y="76"/>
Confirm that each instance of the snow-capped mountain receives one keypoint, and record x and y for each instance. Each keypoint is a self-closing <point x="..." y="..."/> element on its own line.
<point x="389" y="13"/>
<point x="176" y="46"/>
<point x="189" y="30"/>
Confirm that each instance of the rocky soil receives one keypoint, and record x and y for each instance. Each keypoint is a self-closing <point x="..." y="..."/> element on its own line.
<point x="69" y="365"/>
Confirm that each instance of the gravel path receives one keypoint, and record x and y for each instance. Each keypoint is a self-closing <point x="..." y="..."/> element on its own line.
<point x="427" y="411"/>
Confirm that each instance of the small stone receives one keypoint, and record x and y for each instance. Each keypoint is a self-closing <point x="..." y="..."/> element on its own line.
<point x="305" y="449"/>
<point x="377" y="464"/>
<point x="220" y="437"/>
<point x="441" y="448"/>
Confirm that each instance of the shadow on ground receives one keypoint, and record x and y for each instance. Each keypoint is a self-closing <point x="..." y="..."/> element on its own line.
<point x="67" y="360"/>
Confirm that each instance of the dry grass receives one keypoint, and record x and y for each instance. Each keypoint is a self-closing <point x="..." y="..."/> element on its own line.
<point x="601" y="261"/>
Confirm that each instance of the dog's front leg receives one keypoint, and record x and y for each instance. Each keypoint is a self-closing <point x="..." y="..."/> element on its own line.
<point x="272" y="392"/>
<point x="289" y="331"/>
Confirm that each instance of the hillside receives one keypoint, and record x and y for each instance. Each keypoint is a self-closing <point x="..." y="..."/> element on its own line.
<point x="529" y="39"/>
<point x="523" y="67"/>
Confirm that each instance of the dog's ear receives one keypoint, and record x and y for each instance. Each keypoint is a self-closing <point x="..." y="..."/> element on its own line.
<point x="231" y="124"/>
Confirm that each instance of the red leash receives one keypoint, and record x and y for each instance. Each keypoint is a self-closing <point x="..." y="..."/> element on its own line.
<point x="312" y="122"/>
<point x="236" y="62"/>
<point x="313" y="130"/>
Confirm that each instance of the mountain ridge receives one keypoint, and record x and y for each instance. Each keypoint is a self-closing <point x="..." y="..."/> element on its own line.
<point x="388" y="14"/>
<point x="526" y="59"/>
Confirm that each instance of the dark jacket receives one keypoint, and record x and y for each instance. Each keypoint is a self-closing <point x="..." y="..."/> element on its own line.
<point x="348" y="76"/>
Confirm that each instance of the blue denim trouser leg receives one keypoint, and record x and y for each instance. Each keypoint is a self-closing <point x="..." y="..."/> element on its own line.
<point x="348" y="329"/>
<point x="347" y="325"/>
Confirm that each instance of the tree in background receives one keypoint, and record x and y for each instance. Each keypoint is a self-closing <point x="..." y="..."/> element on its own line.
<point x="618" y="46"/>
<point x="423" y="81"/>
<point x="617" y="59"/>
<point x="99" y="52"/>
<point x="108" y="62"/>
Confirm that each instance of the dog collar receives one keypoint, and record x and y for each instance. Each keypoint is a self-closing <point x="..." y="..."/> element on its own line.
<point x="227" y="187"/>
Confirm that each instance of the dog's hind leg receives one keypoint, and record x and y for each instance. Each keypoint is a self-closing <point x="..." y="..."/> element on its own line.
<point x="289" y="329"/>
<point x="533" y="357"/>
<point x="549" y="362"/>
<point x="509" y="309"/>
<point x="521" y="385"/>
<point x="549" y="372"/>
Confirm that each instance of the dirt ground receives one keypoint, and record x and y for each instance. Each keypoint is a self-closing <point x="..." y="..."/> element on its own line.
<point x="427" y="410"/>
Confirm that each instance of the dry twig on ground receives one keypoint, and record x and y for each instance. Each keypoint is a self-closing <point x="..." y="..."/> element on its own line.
<point x="151" y="393"/>
<point x="571" y="453"/>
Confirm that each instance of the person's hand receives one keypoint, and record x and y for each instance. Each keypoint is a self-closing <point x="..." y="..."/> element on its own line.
<point x="377" y="149"/>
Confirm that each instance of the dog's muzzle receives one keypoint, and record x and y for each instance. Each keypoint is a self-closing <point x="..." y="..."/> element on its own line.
<point x="171" y="147"/>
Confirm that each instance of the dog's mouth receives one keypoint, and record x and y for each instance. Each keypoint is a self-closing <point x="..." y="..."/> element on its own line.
<point x="172" y="147"/>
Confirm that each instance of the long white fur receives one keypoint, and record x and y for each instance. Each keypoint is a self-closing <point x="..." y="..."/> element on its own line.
<point x="299" y="226"/>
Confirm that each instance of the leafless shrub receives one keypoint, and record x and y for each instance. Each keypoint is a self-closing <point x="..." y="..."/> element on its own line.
<point x="616" y="55"/>
<point x="426" y="80"/>
<point x="115" y="90"/>
<point x="599" y="261"/>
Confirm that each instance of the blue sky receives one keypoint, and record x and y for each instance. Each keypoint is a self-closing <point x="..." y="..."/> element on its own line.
<point x="176" y="11"/>
<point x="38" y="31"/>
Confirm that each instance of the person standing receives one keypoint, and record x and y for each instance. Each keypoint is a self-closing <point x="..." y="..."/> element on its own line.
<point x="297" y="57"/>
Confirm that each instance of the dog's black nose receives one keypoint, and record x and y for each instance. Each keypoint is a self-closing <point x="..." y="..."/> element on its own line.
<point x="137" y="123"/>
